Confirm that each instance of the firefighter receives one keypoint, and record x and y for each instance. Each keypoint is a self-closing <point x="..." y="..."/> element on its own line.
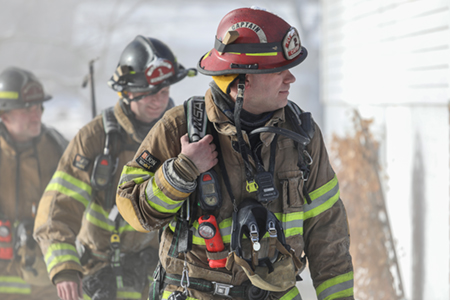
<point x="89" y="248"/>
<point x="29" y="154"/>
<point x="260" y="179"/>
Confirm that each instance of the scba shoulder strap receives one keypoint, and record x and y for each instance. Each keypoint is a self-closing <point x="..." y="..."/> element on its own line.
<point x="302" y="122"/>
<point x="105" y="165"/>
<point x="196" y="117"/>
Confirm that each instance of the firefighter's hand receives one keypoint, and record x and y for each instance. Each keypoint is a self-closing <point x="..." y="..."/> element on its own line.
<point x="69" y="290"/>
<point x="202" y="153"/>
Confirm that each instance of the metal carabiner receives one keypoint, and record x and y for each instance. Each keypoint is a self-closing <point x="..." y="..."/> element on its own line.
<point x="185" y="275"/>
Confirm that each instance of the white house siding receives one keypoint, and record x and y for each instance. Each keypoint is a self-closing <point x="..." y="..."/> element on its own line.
<point x="390" y="60"/>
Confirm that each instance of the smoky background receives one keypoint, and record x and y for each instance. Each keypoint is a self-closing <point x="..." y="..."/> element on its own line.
<point x="376" y="81"/>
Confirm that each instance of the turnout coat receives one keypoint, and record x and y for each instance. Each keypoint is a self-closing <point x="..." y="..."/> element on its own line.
<point x="25" y="171"/>
<point x="73" y="218"/>
<point x="148" y="200"/>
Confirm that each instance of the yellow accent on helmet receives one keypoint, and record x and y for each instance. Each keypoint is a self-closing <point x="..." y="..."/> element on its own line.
<point x="224" y="81"/>
<point x="9" y="95"/>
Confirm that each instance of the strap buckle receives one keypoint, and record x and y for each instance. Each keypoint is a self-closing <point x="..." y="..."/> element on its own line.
<point x="222" y="289"/>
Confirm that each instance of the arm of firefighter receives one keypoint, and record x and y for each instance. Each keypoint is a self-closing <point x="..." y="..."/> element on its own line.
<point x="326" y="231"/>
<point x="62" y="205"/>
<point x="150" y="193"/>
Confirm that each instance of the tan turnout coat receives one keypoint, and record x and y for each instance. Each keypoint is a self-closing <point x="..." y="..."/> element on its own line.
<point x="320" y="230"/>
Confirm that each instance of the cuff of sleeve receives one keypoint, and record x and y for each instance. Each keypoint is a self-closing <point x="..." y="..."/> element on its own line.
<point x="67" y="275"/>
<point x="171" y="184"/>
<point x="185" y="168"/>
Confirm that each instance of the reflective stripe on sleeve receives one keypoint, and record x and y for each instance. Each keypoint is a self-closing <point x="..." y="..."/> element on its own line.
<point x="60" y="253"/>
<point x="138" y="175"/>
<point x="338" y="287"/>
<point x="70" y="186"/>
<point x="14" y="285"/>
<point x="322" y="198"/>
<point x="159" y="201"/>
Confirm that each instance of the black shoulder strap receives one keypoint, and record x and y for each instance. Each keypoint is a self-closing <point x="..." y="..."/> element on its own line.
<point x="110" y="121"/>
<point x="196" y="118"/>
<point x="302" y="121"/>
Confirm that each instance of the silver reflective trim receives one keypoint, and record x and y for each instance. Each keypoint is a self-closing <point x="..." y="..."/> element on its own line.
<point x="129" y="177"/>
<point x="57" y="253"/>
<point x="322" y="199"/>
<point x="83" y="193"/>
<point x="335" y="289"/>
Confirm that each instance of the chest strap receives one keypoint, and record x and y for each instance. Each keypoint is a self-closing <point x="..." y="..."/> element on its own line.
<point x="246" y="290"/>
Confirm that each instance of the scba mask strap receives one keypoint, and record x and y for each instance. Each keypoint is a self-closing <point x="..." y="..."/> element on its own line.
<point x="105" y="166"/>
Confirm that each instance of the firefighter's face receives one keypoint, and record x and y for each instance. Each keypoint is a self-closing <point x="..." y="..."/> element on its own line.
<point x="23" y="124"/>
<point x="151" y="107"/>
<point x="267" y="92"/>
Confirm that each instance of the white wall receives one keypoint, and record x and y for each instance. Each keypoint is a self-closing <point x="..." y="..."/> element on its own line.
<point x="390" y="59"/>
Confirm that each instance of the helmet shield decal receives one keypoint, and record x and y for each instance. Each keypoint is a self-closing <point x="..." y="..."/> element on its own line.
<point x="291" y="44"/>
<point x="147" y="65"/>
<point x="32" y="91"/>
<point x="158" y="71"/>
<point x="256" y="29"/>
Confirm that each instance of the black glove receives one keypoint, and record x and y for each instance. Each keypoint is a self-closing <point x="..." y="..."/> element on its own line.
<point x="101" y="285"/>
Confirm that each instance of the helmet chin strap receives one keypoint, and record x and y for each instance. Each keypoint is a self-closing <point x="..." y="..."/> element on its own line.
<point x="251" y="184"/>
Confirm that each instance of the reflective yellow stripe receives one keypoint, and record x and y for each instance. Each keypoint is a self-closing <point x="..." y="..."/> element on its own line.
<point x="59" y="253"/>
<point x="262" y="54"/>
<point x="121" y="294"/>
<point x="99" y="217"/>
<point x="292" y="224"/>
<point x="70" y="186"/>
<point x="322" y="199"/>
<point x="9" y="95"/>
<point x="163" y="203"/>
<point x="138" y="175"/>
<point x="206" y="55"/>
<point x="256" y="54"/>
<point x="338" y="287"/>
<point x="14" y="285"/>
<point x="128" y="295"/>
<point x="167" y="294"/>
<point x="293" y="294"/>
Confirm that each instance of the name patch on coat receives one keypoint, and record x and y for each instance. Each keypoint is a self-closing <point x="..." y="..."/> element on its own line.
<point x="81" y="162"/>
<point x="148" y="161"/>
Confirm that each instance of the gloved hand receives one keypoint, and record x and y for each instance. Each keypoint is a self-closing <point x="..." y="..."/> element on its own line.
<point x="69" y="290"/>
<point x="69" y="285"/>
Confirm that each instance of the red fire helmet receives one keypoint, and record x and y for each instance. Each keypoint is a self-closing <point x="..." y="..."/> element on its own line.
<point x="252" y="41"/>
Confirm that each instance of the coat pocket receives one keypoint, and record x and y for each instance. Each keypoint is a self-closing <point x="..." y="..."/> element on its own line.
<point x="291" y="190"/>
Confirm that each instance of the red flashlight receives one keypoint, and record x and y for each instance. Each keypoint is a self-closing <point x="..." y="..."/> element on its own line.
<point x="5" y="237"/>
<point x="209" y="230"/>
